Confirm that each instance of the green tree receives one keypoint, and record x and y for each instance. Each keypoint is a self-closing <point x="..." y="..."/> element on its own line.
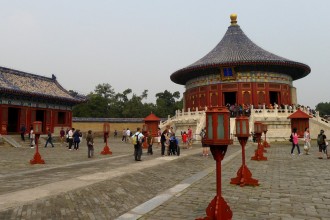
<point x="166" y="103"/>
<point x="323" y="108"/>
<point x="96" y="106"/>
<point x="105" y="90"/>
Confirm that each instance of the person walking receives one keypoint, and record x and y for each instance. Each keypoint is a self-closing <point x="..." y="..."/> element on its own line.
<point x="90" y="144"/>
<point x="149" y="143"/>
<point x="49" y="139"/>
<point x="62" y="134"/>
<point x="307" y="140"/>
<point x="70" y="137"/>
<point x="162" y="141"/>
<point x="138" y="136"/>
<point x="124" y="135"/>
<point x="76" y="139"/>
<point x="31" y="137"/>
<point x="128" y="135"/>
<point x="295" y="141"/>
<point x="321" y="141"/>
<point x="23" y="130"/>
<point x="204" y="146"/>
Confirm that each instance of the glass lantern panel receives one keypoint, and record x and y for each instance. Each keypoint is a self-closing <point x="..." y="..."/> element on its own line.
<point x="209" y="127"/>
<point x="238" y="127"/>
<point x="244" y="127"/>
<point x="220" y="129"/>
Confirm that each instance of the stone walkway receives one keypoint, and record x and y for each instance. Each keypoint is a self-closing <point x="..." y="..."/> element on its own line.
<point x="71" y="186"/>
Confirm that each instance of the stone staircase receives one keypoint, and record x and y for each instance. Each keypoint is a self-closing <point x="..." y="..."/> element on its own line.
<point x="15" y="140"/>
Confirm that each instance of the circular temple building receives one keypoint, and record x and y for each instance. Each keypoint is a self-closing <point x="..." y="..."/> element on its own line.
<point x="239" y="71"/>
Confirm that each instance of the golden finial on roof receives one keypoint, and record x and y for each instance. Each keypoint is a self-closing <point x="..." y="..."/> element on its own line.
<point x="233" y="18"/>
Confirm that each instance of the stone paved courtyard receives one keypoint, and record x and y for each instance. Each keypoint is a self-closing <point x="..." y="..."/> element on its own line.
<point x="71" y="186"/>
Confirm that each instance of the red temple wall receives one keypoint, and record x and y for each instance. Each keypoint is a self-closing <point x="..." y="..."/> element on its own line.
<point x="27" y="115"/>
<point x="246" y="93"/>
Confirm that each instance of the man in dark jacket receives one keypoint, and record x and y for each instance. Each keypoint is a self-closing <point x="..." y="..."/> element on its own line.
<point x="23" y="130"/>
<point x="49" y="139"/>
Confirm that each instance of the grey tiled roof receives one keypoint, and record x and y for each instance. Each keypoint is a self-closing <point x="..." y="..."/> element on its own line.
<point x="236" y="49"/>
<point x="27" y="84"/>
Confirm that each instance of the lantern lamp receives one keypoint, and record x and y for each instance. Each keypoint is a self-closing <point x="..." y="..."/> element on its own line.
<point x="106" y="130"/>
<point x="264" y="128"/>
<point x="37" y="130"/>
<point x="37" y="127"/>
<point x="242" y="126"/>
<point x="258" y="127"/>
<point x="218" y="127"/>
<point x="244" y="175"/>
<point x="106" y="127"/>
<point x="218" y="138"/>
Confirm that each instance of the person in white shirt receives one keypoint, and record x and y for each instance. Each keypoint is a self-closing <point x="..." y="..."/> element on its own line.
<point x="128" y="134"/>
<point x="70" y="136"/>
<point x="138" y="145"/>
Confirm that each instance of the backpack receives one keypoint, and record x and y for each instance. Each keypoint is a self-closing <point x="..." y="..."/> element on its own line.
<point x="320" y="139"/>
<point x="135" y="139"/>
<point x="291" y="139"/>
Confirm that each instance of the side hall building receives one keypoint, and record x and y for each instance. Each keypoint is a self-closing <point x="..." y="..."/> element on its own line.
<point x="237" y="71"/>
<point x="25" y="98"/>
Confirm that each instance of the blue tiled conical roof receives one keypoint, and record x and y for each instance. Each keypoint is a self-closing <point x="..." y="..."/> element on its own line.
<point x="237" y="50"/>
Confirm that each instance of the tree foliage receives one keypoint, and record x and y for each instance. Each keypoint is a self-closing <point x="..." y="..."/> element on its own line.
<point x="104" y="102"/>
<point x="323" y="108"/>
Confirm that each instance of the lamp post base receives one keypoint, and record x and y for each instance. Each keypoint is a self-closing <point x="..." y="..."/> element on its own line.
<point x="218" y="209"/>
<point x="266" y="144"/>
<point x="37" y="159"/>
<point x="244" y="177"/>
<point x="106" y="150"/>
<point x="259" y="154"/>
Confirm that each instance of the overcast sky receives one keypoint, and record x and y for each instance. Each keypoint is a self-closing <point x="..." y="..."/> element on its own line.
<point x="138" y="44"/>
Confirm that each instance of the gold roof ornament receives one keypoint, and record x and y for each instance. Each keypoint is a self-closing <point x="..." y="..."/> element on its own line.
<point x="233" y="18"/>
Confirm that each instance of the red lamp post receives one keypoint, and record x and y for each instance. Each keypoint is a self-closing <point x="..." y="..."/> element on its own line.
<point x="37" y="129"/>
<point x="106" y="130"/>
<point x="264" y="128"/>
<point x="244" y="176"/>
<point x="218" y="138"/>
<point x="259" y="153"/>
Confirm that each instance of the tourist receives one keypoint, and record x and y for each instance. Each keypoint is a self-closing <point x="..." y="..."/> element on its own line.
<point x="307" y="140"/>
<point x="76" y="139"/>
<point x="149" y="143"/>
<point x="31" y="134"/>
<point x="159" y="134"/>
<point x="124" y="135"/>
<point x="49" y="139"/>
<point x="62" y="134"/>
<point x="295" y="141"/>
<point x="205" y="146"/>
<point x="184" y="139"/>
<point x="128" y="134"/>
<point x="138" y="145"/>
<point x="162" y="141"/>
<point x="321" y="141"/>
<point x="90" y="144"/>
<point x="23" y="130"/>
<point x="70" y="137"/>
<point x="174" y="143"/>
